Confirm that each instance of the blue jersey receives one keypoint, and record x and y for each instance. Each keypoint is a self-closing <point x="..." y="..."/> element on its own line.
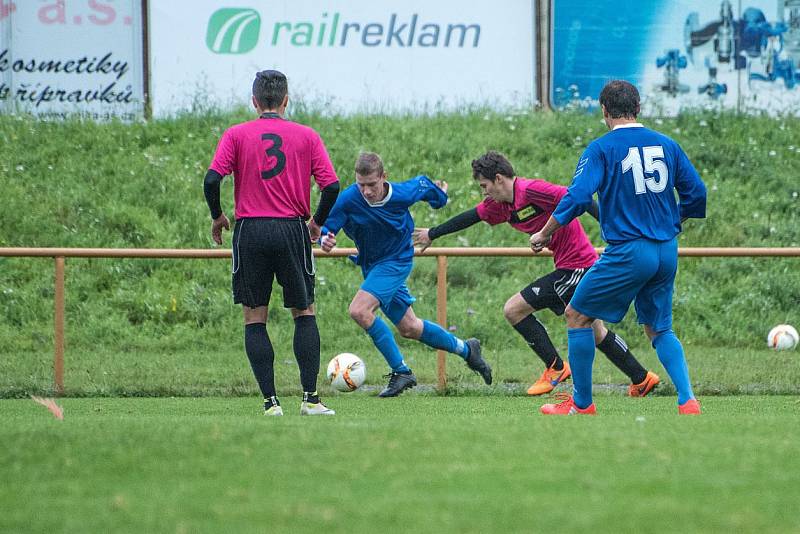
<point x="635" y="172"/>
<point x="382" y="231"/>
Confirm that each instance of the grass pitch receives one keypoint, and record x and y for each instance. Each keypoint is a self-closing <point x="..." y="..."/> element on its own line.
<point x="481" y="461"/>
<point x="417" y="463"/>
<point x="226" y="372"/>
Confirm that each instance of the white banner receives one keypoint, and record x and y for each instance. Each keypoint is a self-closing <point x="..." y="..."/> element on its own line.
<point x="76" y="57"/>
<point x="344" y="55"/>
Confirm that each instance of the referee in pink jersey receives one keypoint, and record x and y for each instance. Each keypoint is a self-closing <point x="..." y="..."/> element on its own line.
<point x="272" y="161"/>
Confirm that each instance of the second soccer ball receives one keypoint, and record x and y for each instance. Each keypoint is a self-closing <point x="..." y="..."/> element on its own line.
<point x="782" y="337"/>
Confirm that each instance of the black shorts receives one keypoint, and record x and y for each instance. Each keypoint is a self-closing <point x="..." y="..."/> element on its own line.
<point x="553" y="290"/>
<point x="265" y="248"/>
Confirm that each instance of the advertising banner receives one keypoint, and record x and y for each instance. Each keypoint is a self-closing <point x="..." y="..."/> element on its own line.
<point x="344" y="56"/>
<point x="741" y="55"/>
<point x="76" y="57"/>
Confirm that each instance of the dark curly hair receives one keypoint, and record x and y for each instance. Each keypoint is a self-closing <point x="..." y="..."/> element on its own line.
<point x="491" y="164"/>
<point x="621" y="99"/>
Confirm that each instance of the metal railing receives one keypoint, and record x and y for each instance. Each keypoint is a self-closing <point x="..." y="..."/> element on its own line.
<point x="441" y="254"/>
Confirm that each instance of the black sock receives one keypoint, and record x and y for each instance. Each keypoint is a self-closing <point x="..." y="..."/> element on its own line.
<point x="270" y="402"/>
<point x="536" y="336"/>
<point x="306" y="350"/>
<point x="261" y="356"/>
<point x="617" y="351"/>
<point x="311" y="396"/>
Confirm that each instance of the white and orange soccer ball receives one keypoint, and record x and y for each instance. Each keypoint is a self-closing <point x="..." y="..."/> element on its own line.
<point x="782" y="337"/>
<point x="346" y="372"/>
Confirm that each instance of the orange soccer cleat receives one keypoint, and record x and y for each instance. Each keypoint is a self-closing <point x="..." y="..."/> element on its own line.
<point x="567" y="407"/>
<point x="549" y="380"/>
<point x="646" y="386"/>
<point x="690" y="407"/>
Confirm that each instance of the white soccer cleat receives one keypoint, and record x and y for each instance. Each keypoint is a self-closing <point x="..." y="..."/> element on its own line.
<point x="273" y="411"/>
<point x="309" y="408"/>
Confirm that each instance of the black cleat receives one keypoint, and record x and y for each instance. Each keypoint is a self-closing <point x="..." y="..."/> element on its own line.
<point x="398" y="382"/>
<point x="476" y="362"/>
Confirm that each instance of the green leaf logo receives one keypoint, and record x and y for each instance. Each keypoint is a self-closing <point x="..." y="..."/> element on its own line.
<point x="233" y="30"/>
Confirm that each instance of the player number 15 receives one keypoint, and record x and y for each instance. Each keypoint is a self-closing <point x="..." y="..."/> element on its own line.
<point x="653" y="164"/>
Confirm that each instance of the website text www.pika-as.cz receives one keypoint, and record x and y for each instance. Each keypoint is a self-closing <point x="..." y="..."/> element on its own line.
<point x="115" y="114"/>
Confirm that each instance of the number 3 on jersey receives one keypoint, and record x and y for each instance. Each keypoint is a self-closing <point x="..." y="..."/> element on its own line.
<point x="653" y="164"/>
<point x="274" y="151"/>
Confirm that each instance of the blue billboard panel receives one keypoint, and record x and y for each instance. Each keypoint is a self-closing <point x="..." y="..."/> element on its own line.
<point x="679" y="53"/>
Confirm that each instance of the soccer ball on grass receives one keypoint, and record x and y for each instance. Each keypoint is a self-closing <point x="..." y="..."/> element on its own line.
<point x="782" y="337"/>
<point x="346" y="372"/>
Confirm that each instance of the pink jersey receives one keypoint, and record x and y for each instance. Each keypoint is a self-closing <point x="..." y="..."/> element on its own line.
<point x="534" y="202"/>
<point x="272" y="161"/>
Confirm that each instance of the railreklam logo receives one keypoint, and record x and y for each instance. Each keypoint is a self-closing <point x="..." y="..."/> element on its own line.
<point x="233" y="30"/>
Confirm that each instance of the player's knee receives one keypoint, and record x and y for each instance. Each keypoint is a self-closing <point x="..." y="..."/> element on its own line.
<point x="410" y="330"/>
<point x="571" y="316"/>
<point x="652" y="334"/>
<point x="300" y="312"/>
<point x="576" y="319"/>
<point x="362" y="316"/>
<point x="255" y="315"/>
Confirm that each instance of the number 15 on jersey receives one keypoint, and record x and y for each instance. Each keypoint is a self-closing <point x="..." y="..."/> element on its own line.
<point x="654" y="165"/>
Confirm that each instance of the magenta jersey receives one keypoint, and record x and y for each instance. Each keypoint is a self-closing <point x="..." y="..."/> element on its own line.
<point x="534" y="202"/>
<point x="272" y="161"/>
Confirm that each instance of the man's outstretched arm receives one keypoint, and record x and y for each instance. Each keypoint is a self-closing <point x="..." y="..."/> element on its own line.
<point x="423" y="237"/>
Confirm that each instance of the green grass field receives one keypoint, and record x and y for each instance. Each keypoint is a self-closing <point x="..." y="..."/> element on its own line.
<point x="470" y="459"/>
<point x="715" y="371"/>
<point x="412" y="464"/>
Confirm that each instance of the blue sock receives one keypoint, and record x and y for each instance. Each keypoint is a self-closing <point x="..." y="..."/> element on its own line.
<point x="437" y="337"/>
<point x="581" y="358"/>
<point x="384" y="340"/>
<point x="670" y="353"/>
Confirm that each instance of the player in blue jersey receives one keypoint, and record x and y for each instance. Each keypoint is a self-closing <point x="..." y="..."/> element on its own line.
<point x="635" y="172"/>
<point x="374" y="214"/>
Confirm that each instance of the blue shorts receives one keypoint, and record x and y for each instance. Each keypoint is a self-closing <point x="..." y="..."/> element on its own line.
<point x="642" y="271"/>
<point x="387" y="282"/>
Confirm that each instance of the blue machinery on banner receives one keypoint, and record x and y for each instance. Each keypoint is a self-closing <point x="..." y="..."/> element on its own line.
<point x="741" y="55"/>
